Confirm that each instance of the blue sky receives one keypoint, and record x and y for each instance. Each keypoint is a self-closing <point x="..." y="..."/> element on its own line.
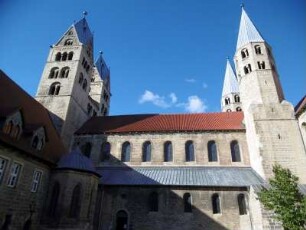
<point x="166" y="56"/>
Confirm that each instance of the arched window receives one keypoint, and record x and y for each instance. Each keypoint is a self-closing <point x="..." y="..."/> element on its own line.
<point x="52" y="207"/>
<point x="81" y="77"/>
<point x="122" y="220"/>
<point x="70" y="56"/>
<point x="257" y="49"/>
<point x="58" y="56"/>
<point x="261" y="65"/>
<point x="242" y="204"/>
<point x="146" y="151"/>
<point x="238" y="109"/>
<point x="64" y="72"/>
<point x="8" y="127"/>
<point x="168" y="156"/>
<point x="75" y="204"/>
<point x="105" y="151"/>
<point x="68" y="42"/>
<point x="187" y="202"/>
<point x="237" y="98"/>
<point x="244" y="53"/>
<point x="228" y="110"/>
<point x="247" y="69"/>
<point x="212" y="151"/>
<point x="189" y="151"/>
<point x="227" y="100"/>
<point x="126" y="152"/>
<point x="86" y="149"/>
<point x="235" y="151"/>
<point x="153" y="202"/>
<point x="64" y="56"/>
<point x="84" y="84"/>
<point x="215" y="200"/>
<point x="54" y="88"/>
<point x="54" y="72"/>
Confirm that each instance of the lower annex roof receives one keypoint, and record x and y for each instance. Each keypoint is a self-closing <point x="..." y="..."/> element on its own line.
<point x="180" y="176"/>
<point x="164" y="123"/>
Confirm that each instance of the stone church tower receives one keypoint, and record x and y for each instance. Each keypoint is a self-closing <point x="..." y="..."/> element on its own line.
<point x="72" y="87"/>
<point x="272" y="130"/>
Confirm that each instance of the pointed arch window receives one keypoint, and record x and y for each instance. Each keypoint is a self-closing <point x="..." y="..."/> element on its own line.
<point x="126" y="152"/>
<point x="86" y="149"/>
<point x="70" y="56"/>
<point x="81" y="77"/>
<point x="68" y="42"/>
<point x="227" y="100"/>
<point x="52" y="207"/>
<point x="216" y="206"/>
<point x="189" y="151"/>
<point x="242" y="204"/>
<point x="64" y="72"/>
<point x="84" y="84"/>
<point x="212" y="151"/>
<point x="244" y="53"/>
<point x="105" y="151"/>
<point x="187" y="202"/>
<point x="153" y="202"/>
<point x="54" y="72"/>
<point x="146" y="151"/>
<point x="237" y="98"/>
<point x="64" y="56"/>
<point x="58" y="56"/>
<point x="55" y="88"/>
<point x="168" y="155"/>
<point x="257" y="49"/>
<point x="235" y="151"/>
<point x="75" y="204"/>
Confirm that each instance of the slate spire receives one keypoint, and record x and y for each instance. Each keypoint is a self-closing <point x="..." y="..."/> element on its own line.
<point x="247" y="31"/>
<point x="230" y="84"/>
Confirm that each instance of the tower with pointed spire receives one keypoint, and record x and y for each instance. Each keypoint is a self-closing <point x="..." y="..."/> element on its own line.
<point x="230" y="94"/>
<point x="271" y="127"/>
<point x="73" y="87"/>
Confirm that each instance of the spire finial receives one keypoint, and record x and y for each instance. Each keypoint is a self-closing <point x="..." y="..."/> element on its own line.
<point x="227" y="58"/>
<point x="85" y="13"/>
<point x="101" y="52"/>
<point x="242" y="5"/>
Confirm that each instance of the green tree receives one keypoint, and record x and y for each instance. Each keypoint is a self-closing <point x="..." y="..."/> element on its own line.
<point x="284" y="199"/>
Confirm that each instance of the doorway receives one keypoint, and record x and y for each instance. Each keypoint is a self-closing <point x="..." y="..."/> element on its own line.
<point x="121" y="220"/>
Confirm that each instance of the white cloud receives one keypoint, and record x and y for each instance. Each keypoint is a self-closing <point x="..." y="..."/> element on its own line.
<point x="173" y="98"/>
<point x="190" y="80"/>
<point x="157" y="100"/>
<point x="205" y="86"/>
<point x="195" y="105"/>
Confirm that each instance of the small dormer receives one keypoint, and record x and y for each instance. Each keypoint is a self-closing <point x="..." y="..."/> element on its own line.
<point x="13" y="124"/>
<point x="38" y="139"/>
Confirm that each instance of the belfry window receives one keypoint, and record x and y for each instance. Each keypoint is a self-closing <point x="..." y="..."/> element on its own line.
<point x="84" y="85"/>
<point x="247" y="69"/>
<point x="81" y="77"/>
<point x="126" y="152"/>
<point x="257" y="49"/>
<point x="242" y="204"/>
<point x="261" y="65"/>
<point x="212" y="151"/>
<point x="235" y="151"/>
<point x="244" y="53"/>
<point x="187" y="202"/>
<point x="54" y="72"/>
<point x="227" y="101"/>
<point x="70" y="56"/>
<point x="58" y="56"/>
<point x="64" y="72"/>
<point x="55" y="88"/>
<point x="68" y="42"/>
<point x="237" y="98"/>
<point x="153" y="202"/>
<point x="168" y="156"/>
<point x="146" y="151"/>
<point x="238" y="109"/>
<point x="189" y="151"/>
<point x="64" y="56"/>
<point x="215" y="200"/>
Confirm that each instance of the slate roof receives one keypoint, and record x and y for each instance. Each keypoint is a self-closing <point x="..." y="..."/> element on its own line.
<point x="300" y="107"/>
<point x="230" y="84"/>
<point x="180" y="176"/>
<point x="83" y="32"/>
<point x="163" y="123"/>
<point x="247" y="31"/>
<point x="102" y="68"/>
<point x="75" y="160"/>
<point x="34" y="115"/>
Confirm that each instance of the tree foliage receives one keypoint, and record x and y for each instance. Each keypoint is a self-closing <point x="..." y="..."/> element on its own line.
<point x="284" y="199"/>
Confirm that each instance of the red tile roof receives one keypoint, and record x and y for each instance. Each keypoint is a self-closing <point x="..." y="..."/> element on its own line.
<point x="300" y="107"/>
<point x="163" y="123"/>
<point x="14" y="98"/>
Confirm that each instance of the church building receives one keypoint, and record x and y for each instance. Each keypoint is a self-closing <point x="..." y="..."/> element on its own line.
<point x="65" y="163"/>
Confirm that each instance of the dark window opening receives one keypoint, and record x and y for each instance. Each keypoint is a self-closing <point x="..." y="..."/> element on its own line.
<point x="52" y="210"/>
<point x="242" y="204"/>
<point x="105" y="154"/>
<point x="235" y="151"/>
<point x="86" y="149"/>
<point x="212" y="151"/>
<point x="146" y="151"/>
<point x="215" y="199"/>
<point x="153" y="202"/>
<point x="187" y="202"/>
<point x="168" y="155"/>
<point x="257" y="49"/>
<point x="126" y="152"/>
<point x="189" y="151"/>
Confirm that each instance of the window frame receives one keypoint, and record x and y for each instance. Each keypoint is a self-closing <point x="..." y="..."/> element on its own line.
<point x="211" y="157"/>
<point x="13" y="178"/>
<point x="4" y="166"/>
<point x="36" y="181"/>
<point x="189" y="151"/>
